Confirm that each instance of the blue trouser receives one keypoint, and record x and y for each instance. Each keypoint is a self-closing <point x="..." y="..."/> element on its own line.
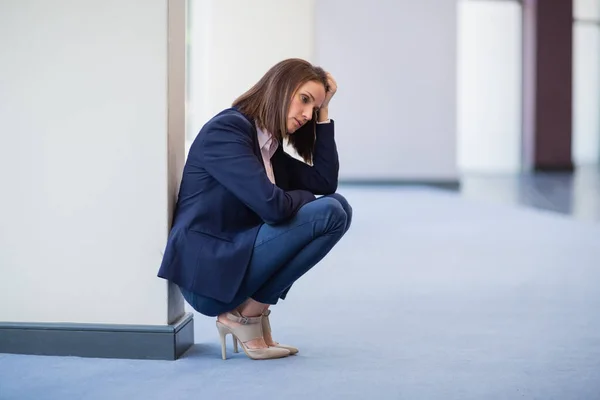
<point x="284" y="252"/>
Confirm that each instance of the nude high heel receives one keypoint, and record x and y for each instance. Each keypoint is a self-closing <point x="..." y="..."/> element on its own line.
<point x="250" y="328"/>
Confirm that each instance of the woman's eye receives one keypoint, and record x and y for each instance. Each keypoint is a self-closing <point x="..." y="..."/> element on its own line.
<point x="304" y="99"/>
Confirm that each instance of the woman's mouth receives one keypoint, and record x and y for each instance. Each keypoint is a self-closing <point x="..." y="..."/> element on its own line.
<point x="298" y="122"/>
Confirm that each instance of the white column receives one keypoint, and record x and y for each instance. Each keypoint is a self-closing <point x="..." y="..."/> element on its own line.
<point x="489" y="86"/>
<point x="91" y="148"/>
<point x="586" y="82"/>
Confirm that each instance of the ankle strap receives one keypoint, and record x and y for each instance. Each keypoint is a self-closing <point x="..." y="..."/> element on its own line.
<point x="240" y="319"/>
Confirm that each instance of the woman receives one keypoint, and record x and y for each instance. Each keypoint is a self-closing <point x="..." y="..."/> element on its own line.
<point x="247" y="224"/>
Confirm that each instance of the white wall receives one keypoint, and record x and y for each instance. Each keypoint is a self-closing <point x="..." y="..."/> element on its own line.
<point x="403" y="93"/>
<point x="83" y="160"/>
<point x="586" y="9"/>
<point x="234" y="42"/>
<point x="489" y="86"/>
<point x="586" y="82"/>
<point x="395" y="62"/>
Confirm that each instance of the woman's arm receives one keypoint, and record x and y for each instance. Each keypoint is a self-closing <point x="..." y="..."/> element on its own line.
<point x="226" y="153"/>
<point x="322" y="177"/>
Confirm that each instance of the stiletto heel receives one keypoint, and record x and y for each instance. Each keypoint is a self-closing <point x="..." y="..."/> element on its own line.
<point x="222" y="335"/>
<point x="250" y="328"/>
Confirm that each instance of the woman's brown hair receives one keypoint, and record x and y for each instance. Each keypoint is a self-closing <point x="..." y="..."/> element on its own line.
<point x="268" y="102"/>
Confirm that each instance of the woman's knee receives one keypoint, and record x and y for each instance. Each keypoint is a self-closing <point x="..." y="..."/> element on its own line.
<point x="326" y="213"/>
<point x="330" y="208"/>
<point x="345" y="205"/>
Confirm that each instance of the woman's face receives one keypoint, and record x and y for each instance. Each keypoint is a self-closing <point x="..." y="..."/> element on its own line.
<point x="305" y="101"/>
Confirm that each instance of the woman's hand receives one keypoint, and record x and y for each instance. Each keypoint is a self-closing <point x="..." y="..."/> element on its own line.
<point x="324" y="109"/>
<point x="332" y="89"/>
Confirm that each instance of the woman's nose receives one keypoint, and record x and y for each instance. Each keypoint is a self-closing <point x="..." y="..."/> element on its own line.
<point x="307" y="114"/>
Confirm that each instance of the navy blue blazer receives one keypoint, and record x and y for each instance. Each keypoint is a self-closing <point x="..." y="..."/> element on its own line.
<point x="226" y="195"/>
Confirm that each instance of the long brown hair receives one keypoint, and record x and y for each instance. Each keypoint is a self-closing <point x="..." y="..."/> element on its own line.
<point x="268" y="102"/>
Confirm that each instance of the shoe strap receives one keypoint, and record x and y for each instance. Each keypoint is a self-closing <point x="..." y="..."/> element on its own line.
<point x="266" y="324"/>
<point x="240" y="319"/>
<point x="251" y="326"/>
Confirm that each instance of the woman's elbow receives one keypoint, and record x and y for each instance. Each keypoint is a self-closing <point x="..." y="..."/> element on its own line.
<point x="329" y="188"/>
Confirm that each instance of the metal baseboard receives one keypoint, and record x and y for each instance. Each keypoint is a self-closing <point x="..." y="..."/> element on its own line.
<point x="148" y="342"/>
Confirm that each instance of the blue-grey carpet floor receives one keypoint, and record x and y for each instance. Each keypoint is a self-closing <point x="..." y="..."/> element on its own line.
<point x="428" y="296"/>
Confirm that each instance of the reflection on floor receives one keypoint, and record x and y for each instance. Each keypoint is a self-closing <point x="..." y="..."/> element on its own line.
<point x="576" y="194"/>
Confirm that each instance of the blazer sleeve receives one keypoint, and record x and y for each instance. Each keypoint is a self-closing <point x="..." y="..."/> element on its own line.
<point x="322" y="177"/>
<point x="226" y="153"/>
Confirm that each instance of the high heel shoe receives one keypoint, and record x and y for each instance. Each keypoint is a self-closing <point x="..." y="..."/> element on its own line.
<point x="249" y="329"/>
<point x="266" y="327"/>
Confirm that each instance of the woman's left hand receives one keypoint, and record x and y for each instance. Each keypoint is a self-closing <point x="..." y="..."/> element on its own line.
<point x="332" y="89"/>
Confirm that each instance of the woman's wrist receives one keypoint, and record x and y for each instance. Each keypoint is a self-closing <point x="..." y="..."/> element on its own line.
<point x="323" y="114"/>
